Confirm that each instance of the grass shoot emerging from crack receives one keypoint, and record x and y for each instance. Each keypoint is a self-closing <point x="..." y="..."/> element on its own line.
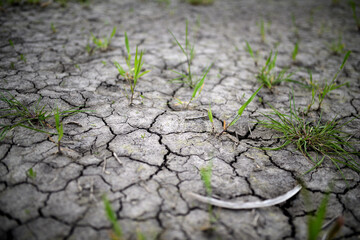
<point x="117" y="233"/>
<point x="133" y="74"/>
<point x="241" y="110"/>
<point x="337" y="47"/>
<point x="100" y="43"/>
<point x="352" y="4"/>
<point x="249" y="49"/>
<point x="59" y="128"/>
<point x="211" y="119"/>
<point x="197" y="89"/>
<point x="189" y="52"/>
<point x="205" y="174"/>
<point x="295" y="51"/>
<point x="326" y="141"/>
<point x="268" y="78"/>
<point x="323" y="90"/>
<point x="27" y="117"/>
<point x="31" y="173"/>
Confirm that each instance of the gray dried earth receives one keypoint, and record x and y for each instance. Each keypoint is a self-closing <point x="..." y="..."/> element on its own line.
<point x="162" y="145"/>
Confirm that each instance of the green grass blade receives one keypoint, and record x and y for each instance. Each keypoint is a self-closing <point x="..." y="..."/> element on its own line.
<point x="200" y="83"/>
<point x="242" y="108"/>
<point x="182" y="49"/>
<point x="112" y="218"/>
<point x="210" y="114"/>
<point x="250" y="50"/>
<point x="127" y="44"/>
<point x="345" y="59"/>
<point x="113" y="33"/>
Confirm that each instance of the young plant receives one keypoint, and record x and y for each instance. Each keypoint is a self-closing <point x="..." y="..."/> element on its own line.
<point x="27" y="117"/>
<point x="293" y="20"/>
<point x="324" y="90"/>
<point x="100" y="43"/>
<point x="110" y="214"/>
<point x="189" y="53"/>
<point x="31" y="173"/>
<point x="353" y="8"/>
<point x="249" y="49"/>
<point x="268" y="78"/>
<point x="59" y="128"/>
<point x="211" y="119"/>
<point x="337" y="47"/>
<point x="240" y="111"/>
<point x="197" y="90"/>
<point x="295" y="51"/>
<point x="262" y="29"/>
<point x="205" y="173"/>
<point x="53" y="28"/>
<point x="326" y="141"/>
<point x="133" y="73"/>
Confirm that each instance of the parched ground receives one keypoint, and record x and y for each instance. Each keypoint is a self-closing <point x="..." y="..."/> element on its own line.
<point x="162" y="146"/>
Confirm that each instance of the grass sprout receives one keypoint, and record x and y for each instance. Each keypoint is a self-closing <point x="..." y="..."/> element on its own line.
<point x="268" y="78"/>
<point x="352" y="4"/>
<point x="326" y="140"/>
<point x="295" y="51"/>
<point x="189" y="53"/>
<point x="205" y="174"/>
<point x="59" y="128"/>
<point x="28" y="117"/>
<point x="337" y="47"/>
<point x="250" y="51"/>
<point x="117" y="233"/>
<point x="210" y="115"/>
<point x="100" y="43"/>
<point x="323" y="90"/>
<point x="262" y="29"/>
<point x="241" y="110"/>
<point x="134" y="71"/>
<point x="31" y="173"/>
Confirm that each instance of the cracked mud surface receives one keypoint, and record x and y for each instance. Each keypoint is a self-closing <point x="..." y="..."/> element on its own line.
<point x="161" y="146"/>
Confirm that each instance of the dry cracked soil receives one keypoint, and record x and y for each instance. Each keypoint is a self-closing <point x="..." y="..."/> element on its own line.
<point x="161" y="145"/>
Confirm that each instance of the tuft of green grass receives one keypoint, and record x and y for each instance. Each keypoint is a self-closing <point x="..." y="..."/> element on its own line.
<point x="241" y="110"/>
<point x="323" y="90"/>
<point x="134" y="71"/>
<point x="205" y="174"/>
<point x="117" y="233"/>
<point x="100" y="43"/>
<point x="268" y="78"/>
<point x="325" y="140"/>
<point x="210" y="115"/>
<point x="352" y="4"/>
<point x="189" y="52"/>
<point x="31" y="173"/>
<point x="11" y="43"/>
<point x="53" y="28"/>
<point x="22" y="57"/>
<point x="295" y="51"/>
<point x="28" y="117"/>
<point x="250" y="51"/>
<point x="337" y="47"/>
<point x="262" y="29"/>
<point x="59" y="128"/>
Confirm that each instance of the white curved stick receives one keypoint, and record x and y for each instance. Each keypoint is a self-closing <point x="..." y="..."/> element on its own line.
<point x="247" y="205"/>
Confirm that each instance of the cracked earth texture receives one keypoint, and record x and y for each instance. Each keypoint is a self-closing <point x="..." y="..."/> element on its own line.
<point x="161" y="145"/>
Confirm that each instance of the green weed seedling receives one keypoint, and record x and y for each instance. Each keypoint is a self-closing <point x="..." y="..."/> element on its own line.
<point x="352" y="4"/>
<point x="325" y="140"/>
<point x="117" y="233"/>
<point x="31" y="173"/>
<point x="205" y="174"/>
<point x="253" y="56"/>
<point x="11" y="43"/>
<point x="53" y="28"/>
<point x="210" y="115"/>
<point x="100" y="43"/>
<point x="59" y="128"/>
<point x="268" y="78"/>
<point x="337" y="47"/>
<point x="323" y="90"/>
<point x="23" y="58"/>
<point x="240" y="111"/>
<point x="262" y="29"/>
<point x="27" y="117"/>
<point x="134" y="72"/>
<point x="295" y="51"/>
<point x="197" y="90"/>
<point x="189" y="52"/>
